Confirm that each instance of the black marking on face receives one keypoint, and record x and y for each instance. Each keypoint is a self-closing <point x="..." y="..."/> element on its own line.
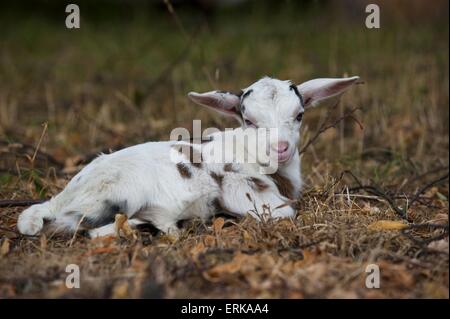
<point x="184" y="170"/>
<point x="240" y="109"/>
<point x="246" y="94"/>
<point x="295" y="89"/>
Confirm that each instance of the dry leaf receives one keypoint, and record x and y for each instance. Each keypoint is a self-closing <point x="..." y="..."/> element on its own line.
<point x="43" y="242"/>
<point x="247" y="236"/>
<point x="218" y="224"/>
<point x="123" y="227"/>
<point x="387" y="225"/>
<point x="215" y="273"/>
<point x="367" y="208"/>
<point x="439" y="245"/>
<point x="4" y="249"/>
<point x="209" y="241"/>
<point x="197" y="250"/>
<point x="104" y="240"/>
<point x="100" y="250"/>
<point x="120" y="290"/>
<point x="440" y="218"/>
<point x="167" y="239"/>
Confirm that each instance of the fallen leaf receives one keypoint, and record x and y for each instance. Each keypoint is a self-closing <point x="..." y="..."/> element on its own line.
<point x="247" y="236"/>
<point x="167" y="239"/>
<point x="218" y="224"/>
<point x="439" y="245"/>
<point x="197" y="250"/>
<point x="4" y="249"/>
<point x="387" y="225"/>
<point x="367" y="208"/>
<point x="209" y="241"/>
<point x="104" y="240"/>
<point x="120" y="290"/>
<point x="43" y="242"/>
<point x="123" y="227"/>
<point x="440" y="218"/>
<point x="231" y="267"/>
<point x="240" y="263"/>
<point x="100" y="250"/>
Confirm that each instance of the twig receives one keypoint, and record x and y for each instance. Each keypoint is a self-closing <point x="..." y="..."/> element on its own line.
<point x="324" y="127"/>
<point x="31" y="149"/>
<point x="10" y="230"/>
<point x="375" y="190"/>
<point x="44" y="130"/>
<point x="20" y="202"/>
<point x="427" y="186"/>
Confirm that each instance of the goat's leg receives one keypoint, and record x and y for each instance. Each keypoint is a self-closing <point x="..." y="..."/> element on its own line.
<point x="31" y="220"/>
<point x="110" y="229"/>
<point x="242" y="195"/>
<point x="166" y="224"/>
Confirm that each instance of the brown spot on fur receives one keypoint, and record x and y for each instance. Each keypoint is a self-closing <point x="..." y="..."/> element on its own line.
<point x="184" y="170"/>
<point x="284" y="185"/>
<point x="258" y="184"/>
<point x="229" y="168"/>
<point x="218" y="178"/>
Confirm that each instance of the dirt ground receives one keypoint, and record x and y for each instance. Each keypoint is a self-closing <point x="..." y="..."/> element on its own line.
<point x="376" y="181"/>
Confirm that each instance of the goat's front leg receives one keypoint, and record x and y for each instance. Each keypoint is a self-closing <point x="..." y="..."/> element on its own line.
<point x="257" y="196"/>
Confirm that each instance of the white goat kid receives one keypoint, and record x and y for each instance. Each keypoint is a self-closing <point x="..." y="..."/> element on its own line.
<point x="150" y="186"/>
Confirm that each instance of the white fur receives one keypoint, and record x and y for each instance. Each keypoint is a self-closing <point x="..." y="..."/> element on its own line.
<point x="144" y="180"/>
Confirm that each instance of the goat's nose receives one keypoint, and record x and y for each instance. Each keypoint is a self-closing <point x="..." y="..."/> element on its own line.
<point x="281" y="147"/>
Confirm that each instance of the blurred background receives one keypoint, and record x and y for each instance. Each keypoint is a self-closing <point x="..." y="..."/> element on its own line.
<point x="122" y="78"/>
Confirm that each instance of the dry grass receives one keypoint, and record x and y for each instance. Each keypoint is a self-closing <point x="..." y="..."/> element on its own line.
<point x="97" y="89"/>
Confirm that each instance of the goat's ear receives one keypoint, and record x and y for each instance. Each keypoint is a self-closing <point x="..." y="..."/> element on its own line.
<point x="324" y="91"/>
<point x="223" y="102"/>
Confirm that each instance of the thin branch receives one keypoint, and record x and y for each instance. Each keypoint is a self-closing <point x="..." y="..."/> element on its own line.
<point x="20" y="202"/>
<point x="32" y="150"/>
<point x="324" y="127"/>
<point x="427" y="186"/>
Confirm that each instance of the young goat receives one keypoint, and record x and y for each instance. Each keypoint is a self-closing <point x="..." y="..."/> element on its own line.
<point x="157" y="183"/>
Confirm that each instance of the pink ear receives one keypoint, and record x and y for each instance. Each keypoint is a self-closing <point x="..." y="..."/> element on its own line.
<point x="319" y="91"/>
<point x="222" y="102"/>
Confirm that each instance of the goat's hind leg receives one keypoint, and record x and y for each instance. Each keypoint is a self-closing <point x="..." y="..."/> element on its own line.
<point x="110" y="229"/>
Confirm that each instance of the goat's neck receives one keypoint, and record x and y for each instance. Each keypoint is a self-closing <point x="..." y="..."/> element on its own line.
<point x="292" y="170"/>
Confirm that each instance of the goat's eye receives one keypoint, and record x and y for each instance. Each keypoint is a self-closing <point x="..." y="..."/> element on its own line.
<point x="299" y="117"/>
<point x="249" y="123"/>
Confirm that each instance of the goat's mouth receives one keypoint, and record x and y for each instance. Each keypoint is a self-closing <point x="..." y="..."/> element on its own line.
<point x="285" y="156"/>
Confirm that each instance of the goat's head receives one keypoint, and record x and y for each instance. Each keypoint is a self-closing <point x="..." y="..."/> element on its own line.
<point x="271" y="103"/>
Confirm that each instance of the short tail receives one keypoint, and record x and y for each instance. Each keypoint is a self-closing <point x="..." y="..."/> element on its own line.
<point x="31" y="220"/>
